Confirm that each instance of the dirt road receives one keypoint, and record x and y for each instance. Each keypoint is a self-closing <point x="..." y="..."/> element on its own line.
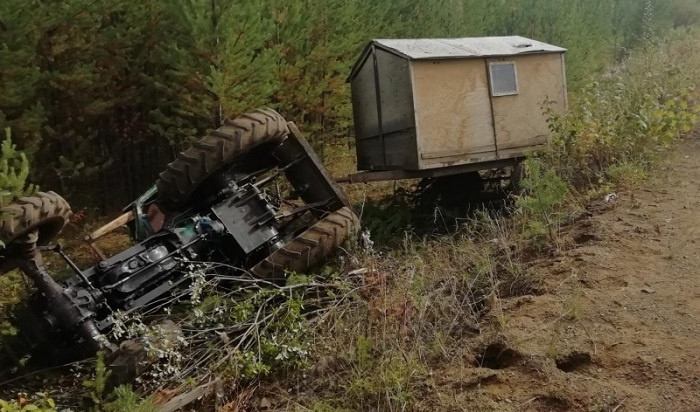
<point x="620" y="311"/>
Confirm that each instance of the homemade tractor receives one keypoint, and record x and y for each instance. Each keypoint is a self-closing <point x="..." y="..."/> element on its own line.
<point x="251" y="195"/>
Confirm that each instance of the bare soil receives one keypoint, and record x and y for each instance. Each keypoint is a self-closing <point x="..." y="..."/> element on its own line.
<point x="617" y="327"/>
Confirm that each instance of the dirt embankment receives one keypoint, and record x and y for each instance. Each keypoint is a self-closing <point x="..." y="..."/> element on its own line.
<point x="618" y="327"/>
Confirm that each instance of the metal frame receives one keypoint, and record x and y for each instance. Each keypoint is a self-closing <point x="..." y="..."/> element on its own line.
<point x="376" y="176"/>
<point x="515" y="75"/>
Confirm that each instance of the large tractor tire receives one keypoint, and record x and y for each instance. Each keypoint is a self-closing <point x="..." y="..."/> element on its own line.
<point x="216" y="152"/>
<point x="45" y="213"/>
<point x="310" y="247"/>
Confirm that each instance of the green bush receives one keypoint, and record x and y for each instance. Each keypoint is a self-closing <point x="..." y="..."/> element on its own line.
<point x="624" y="117"/>
<point x="42" y="403"/>
<point x="541" y="205"/>
<point x="14" y="170"/>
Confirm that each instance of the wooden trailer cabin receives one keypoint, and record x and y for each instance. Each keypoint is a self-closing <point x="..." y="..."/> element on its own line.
<point x="422" y="104"/>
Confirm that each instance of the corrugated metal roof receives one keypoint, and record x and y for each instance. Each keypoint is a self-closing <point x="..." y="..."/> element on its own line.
<point x="458" y="48"/>
<point x="465" y="47"/>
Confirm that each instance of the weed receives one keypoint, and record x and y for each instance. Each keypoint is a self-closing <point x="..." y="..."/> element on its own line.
<point x="541" y="205"/>
<point x="97" y="386"/>
<point x="387" y="385"/>
<point x="123" y="398"/>
<point x="40" y="403"/>
<point x="572" y="306"/>
<point x="553" y="348"/>
<point x="617" y="122"/>
<point x="626" y="174"/>
<point x="388" y="217"/>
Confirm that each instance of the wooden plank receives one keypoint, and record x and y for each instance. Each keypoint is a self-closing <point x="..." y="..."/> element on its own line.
<point x="186" y="398"/>
<point x="114" y="224"/>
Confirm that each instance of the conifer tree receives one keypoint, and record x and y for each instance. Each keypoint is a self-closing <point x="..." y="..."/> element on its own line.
<point x="20" y="108"/>
<point x="14" y="170"/>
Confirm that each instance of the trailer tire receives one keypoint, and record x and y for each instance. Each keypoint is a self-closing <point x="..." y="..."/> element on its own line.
<point x="214" y="152"/>
<point x="45" y="212"/>
<point x="310" y="247"/>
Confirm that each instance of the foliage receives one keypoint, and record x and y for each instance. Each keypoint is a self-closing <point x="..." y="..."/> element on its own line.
<point x="385" y="382"/>
<point x="123" y="398"/>
<point x="541" y="204"/>
<point x="234" y="328"/>
<point x="97" y="386"/>
<point x="642" y="105"/>
<point x="14" y="170"/>
<point x="626" y="174"/>
<point x="42" y="403"/>
<point x="413" y="309"/>
<point x="389" y="217"/>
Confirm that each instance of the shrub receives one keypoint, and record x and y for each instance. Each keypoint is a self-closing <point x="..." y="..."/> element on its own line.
<point x="41" y="403"/>
<point x="541" y="205"/>
<point x="14" y="170"/>
<point x="624" y="117"/>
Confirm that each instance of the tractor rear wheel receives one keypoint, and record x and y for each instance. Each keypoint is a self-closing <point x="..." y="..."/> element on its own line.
<point x="216" y="152"/>
<point x="45" y="213"/>
<point x="310" y="247"/>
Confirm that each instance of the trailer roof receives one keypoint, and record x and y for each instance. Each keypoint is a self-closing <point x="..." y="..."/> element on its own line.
<point x="458" y="48"/>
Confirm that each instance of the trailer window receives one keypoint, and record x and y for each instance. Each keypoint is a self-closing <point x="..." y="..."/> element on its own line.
<point x="504" y="80"/>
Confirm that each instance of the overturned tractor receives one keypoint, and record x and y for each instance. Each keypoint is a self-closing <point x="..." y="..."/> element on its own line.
<point x="251" y="195"/>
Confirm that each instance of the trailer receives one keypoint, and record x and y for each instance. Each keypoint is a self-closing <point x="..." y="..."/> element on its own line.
<point x="429" y="108"/>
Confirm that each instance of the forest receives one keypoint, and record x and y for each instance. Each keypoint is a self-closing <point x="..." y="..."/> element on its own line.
<point x="100" y="95"/>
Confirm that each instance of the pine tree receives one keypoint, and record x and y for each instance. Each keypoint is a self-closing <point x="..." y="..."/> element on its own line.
<point x="14" y="170"/>
<point x="20" y="108"/>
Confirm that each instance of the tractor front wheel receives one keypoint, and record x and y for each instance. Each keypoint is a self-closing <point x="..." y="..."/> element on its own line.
<point x="45" y="213"/>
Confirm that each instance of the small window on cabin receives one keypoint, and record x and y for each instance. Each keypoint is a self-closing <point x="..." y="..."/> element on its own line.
<point x="504" y="79"/>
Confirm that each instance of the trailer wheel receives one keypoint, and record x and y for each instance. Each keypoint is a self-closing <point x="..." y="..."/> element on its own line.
<point x="215" y="152"/>
<point x="310" y="247"/>
<point x="45" y="213"/>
